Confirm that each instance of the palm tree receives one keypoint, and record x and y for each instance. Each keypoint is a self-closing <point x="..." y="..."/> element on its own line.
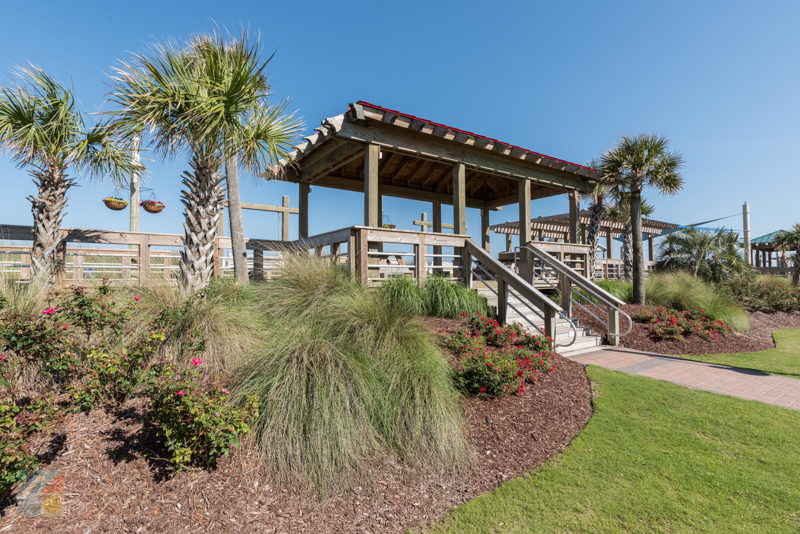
<point x="790" y="240"/>
<point x="712" y="256"/>
<point x="598" y="206"/>
<point x="43" y="131"/>
<point x="209" y="98"/>
<point x="620" y="211"/>
<point x="636" y="162"/>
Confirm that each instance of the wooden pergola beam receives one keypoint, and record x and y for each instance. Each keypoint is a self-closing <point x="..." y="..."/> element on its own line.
<point x="350" y="184"/>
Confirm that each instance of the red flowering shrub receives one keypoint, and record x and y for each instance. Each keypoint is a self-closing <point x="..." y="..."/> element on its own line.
<point x="495" y="360"/>
<point x="675" y="325"/>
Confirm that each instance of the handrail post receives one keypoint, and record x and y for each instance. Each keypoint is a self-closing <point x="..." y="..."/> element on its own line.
<point x="550" y="323"/>
<point x="613" y="326"/>
<point x="363" y="256"/>
<point x="144" y="258"/>
<point x="565" y="288"/>
<point x="502" y="298"/>
<point x="466" y="266"/>
<point x="351" y="253"/>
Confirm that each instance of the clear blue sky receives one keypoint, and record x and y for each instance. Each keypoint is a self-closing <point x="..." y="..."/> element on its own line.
<point x="718" y="78"/>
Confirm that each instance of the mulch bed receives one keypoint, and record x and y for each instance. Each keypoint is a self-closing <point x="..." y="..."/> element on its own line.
<point x="758" y="338"/>
<point x="111" y="486"/>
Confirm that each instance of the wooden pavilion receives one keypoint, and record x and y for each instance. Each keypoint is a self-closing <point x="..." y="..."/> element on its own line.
<point x="767" y="257"/>
<point x="557" y="228"/>
<point x="379" y="151"/>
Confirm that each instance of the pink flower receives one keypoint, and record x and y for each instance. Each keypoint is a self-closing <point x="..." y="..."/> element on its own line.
<point x="225" y="391"/>
<point x="181" y="393"/>
<point x="63" y="327"/>
<point x="482" y="389"/>
<point x="196" y="361"/>
<point x="48" y="311"/>
<point x="2" y="357"/>
<point x="137" y="298"/>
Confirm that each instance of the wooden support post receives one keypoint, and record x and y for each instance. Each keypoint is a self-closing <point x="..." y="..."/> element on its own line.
<point x="485" y="238"/>
<point x="217" y="259"/>
<point x="303" y="193"/>
<point x="371" y="192"/>
<point x="419" y="256"/>
<point x="258" y="263"/>
<point x="509" y="242"/>
<point x="61" y="261"/>
<point x="574" y="216"/>
<point x="459" y="199"/>
<point x="144" y="258"/>
<point x="502" y="300"/>
<point x="126" y="267"/>
<point x="613" y="327"/>
<point x="550" y="323"/>
<point x="651" y="248"/>
<point x="466" y="264"/>
<point x="424" y="218"/>
<point x="77" y="265"/>
<point x="609" y="244"/>
<point x="363" y="257"/>
<point x="351" y="254"/>
<point x="285" y="219"/>
<point x="525" y="229"/>
<point x="437" y="227"/>
<point x="25" y="268"/>
<point x="565" y="288"/>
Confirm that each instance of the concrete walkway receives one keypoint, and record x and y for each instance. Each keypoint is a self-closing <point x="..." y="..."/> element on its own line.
<point x="743" y="383"/>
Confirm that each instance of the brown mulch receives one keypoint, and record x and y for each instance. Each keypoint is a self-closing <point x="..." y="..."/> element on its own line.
<point x="113" y="484"/>
<point x="758" y="338"/>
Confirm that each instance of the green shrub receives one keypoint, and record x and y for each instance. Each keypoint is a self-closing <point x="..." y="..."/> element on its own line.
<point x="444" y="298"/>
<point x="765" y="293"/>
<point x="403" y="293"/>
<point x="495" y="360"/>
<point x="17" y="422"/>
<point x="197" y="424"/>
<point x="342" y="378"/>
<point x="676" y="325"/>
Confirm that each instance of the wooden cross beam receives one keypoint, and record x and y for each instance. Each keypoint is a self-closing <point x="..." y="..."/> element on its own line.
<point x="424" y="223"/>
<point x="284" y="209"/>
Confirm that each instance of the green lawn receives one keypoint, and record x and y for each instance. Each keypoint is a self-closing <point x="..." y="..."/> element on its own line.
<point x="784" y="359"/>
<point x="656" y="457"/>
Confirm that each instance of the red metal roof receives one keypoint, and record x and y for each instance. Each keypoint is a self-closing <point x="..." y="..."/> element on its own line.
<point x="465" y="132"/>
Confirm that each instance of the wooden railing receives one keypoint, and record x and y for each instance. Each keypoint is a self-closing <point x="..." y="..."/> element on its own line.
<point x="573" y="288"/>
<point x="612" y="268"/>
<point x="94" y="255"/>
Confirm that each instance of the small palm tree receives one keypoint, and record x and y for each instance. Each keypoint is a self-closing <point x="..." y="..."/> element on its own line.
<point x="210" y="98"/>
<point x="712" y="256"/>
<point x="598" y="206"/>
<point x="789" y="240"/>
<point x="633" y="164"/>
<point x="43" y="131"/>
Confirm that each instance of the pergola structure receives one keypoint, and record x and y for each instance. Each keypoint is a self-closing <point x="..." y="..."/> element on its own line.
<point x="379" y="151"/>
<point x="558" y="228"/>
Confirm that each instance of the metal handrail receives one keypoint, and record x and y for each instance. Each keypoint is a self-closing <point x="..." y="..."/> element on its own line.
<point x="561" y="269"/>
<point x="557" y="309"/>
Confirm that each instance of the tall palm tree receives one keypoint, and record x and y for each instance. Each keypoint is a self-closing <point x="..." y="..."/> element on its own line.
<point x="44" y="132"/>
<point x="633" y="164"/>
<point x="712" y="256"/>
<point x="620" y="211"/>
<point x="209" y="98"/>
<point x="789" y="240"/>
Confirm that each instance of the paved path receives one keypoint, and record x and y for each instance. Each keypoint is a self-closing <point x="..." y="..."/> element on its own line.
<point x="743" y="383"/>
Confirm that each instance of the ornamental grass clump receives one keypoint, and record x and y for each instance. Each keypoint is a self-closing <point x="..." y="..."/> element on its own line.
<point x="444" y="298"/>
<point x="345" y="378"/>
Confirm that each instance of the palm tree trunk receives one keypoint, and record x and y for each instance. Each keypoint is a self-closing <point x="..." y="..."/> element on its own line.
<point x="48" y="213"/>
<point x="627" y="254"/>
<point x="638" y="253"/>
<point x="202" y="199"/>
<point x="235" y="215"/>
<point x="597" y="211"/>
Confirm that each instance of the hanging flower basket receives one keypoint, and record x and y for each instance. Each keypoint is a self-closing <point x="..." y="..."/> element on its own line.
<point x="153" y="206"/>
<point x="390" y="226"/>
<point x="114" y="203"/>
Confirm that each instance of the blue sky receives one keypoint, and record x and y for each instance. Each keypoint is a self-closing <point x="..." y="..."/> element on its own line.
<point x="719" y="79"/>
